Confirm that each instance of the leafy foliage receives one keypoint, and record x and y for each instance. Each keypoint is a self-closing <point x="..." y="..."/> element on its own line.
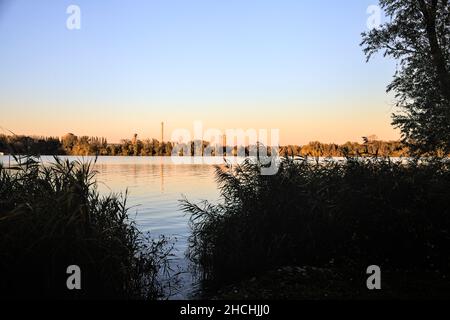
<point x="418" y="35"/>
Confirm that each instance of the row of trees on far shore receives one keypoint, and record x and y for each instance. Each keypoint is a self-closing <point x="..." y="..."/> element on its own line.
<point x="71" y="144"/>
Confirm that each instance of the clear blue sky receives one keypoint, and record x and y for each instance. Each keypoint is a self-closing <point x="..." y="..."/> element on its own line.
<point x="288" y="64"/>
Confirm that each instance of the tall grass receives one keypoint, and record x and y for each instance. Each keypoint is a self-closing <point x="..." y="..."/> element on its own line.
<point x="52" y="216"/>
<point x="346" y="215"/>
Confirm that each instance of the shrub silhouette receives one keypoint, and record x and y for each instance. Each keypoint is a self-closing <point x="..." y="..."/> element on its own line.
<point x="348" y="214"/>
<point x="51" y="216"/>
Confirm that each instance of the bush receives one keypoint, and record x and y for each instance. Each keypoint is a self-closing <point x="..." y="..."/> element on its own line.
<point x="346" y="215"/>
<point x="51" y="216"/>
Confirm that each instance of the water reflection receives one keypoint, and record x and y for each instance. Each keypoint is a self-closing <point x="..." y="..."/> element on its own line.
<point x="155" y="187"/>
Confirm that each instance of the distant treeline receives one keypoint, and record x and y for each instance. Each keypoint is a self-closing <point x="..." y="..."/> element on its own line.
<point x="30" y="145"/>
<point x="70" y="144"/>
<point x="367" y="148"/>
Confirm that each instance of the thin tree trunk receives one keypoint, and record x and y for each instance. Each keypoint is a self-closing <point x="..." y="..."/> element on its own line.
<point x="437" y="55"/>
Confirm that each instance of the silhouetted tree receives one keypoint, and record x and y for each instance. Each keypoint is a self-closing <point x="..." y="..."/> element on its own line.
<point x="418" y="36"/>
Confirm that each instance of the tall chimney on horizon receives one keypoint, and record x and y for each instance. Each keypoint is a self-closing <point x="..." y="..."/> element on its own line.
<point x="162" y="131"/>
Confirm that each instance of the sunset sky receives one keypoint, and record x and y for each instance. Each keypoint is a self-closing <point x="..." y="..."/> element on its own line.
<point x="287" y="64"/>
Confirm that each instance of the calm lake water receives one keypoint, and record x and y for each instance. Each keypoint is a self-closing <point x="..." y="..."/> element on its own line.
<point x="155" y="186"/>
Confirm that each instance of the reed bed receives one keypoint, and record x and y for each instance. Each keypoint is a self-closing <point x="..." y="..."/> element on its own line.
<point x="52" y="216"/>
<point x="340" y="215"/>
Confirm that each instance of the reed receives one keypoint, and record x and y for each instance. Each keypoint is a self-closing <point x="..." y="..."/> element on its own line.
<point x="339" y="215"/>
<point x="52" y="216"/>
